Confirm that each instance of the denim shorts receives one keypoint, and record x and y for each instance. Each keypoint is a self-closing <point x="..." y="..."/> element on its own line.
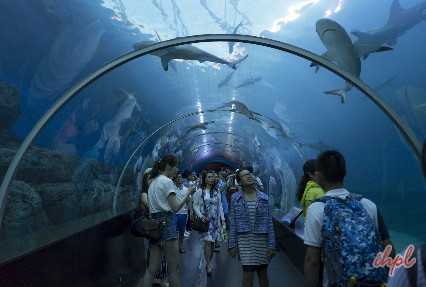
<point x="180" y="221"/>
<point x="169" y="230"/>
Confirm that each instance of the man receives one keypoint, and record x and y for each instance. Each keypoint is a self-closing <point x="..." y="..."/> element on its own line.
<point x="186" y="178"/>
<point x="330" y="171"/>
<point x="186" y="181"/>
<point x="257" y="183"/>
<point x="182" y="215"/>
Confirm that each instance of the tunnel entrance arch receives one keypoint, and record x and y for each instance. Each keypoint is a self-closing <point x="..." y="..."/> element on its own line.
<point x="399" y="122"/>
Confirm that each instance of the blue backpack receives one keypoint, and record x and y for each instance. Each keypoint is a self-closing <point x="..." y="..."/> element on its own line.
<point x="351" y="242"/>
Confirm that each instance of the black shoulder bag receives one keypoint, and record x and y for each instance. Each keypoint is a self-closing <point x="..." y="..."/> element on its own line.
<point x="198" y="224"/>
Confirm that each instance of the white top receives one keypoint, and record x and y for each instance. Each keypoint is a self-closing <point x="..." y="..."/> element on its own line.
<point x="198" y="201"/>
<point x="180" y="193"/>
<point x="315" y="220"/>
<point x="158" y="191"/>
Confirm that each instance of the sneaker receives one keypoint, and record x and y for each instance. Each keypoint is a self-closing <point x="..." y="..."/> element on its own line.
<point x="187" y="233"/>
<point x="216" y="247"/>
<point x="181" y="250"/>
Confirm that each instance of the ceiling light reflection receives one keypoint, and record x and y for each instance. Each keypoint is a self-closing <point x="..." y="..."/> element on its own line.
<point x="291" y="16"/>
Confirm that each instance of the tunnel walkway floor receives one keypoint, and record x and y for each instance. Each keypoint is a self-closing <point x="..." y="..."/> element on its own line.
<point x="227" y="271"/>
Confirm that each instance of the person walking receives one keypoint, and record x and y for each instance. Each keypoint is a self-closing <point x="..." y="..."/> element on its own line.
<point x="161" y="277"/>
<point x="208" y="207"/>
<point x="182" y="215"/>
<point x="252" y="230"/>
<point x="162" y="201"/>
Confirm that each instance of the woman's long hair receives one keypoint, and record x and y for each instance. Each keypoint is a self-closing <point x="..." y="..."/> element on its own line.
<point x="302" y="185"/>
<point x="144" y="189"/>
<point x="204" y="184"/>
<point x="145" y="186"/>
<point x="160" y="165"/>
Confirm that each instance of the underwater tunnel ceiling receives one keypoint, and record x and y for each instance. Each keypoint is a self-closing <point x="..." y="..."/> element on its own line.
<point x="239" y="102"/>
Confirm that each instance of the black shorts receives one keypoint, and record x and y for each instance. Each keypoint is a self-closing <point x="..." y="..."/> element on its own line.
<point x="254" y="268"/>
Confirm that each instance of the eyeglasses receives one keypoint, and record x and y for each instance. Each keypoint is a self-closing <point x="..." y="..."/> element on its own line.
<point x="245" y="175"/>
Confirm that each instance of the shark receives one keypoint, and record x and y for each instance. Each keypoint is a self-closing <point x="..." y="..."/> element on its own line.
<point x="123" y="96"/>
<point x="199" y="126"/>
<point x="385" y="83"/>
<point x="320" y="146"/>
<point x="399" y="22"/>
<point x="231" y="44"/>
<point x="249" y="81"/>
<point x="341" y="50"/>
<point x="69" y="55"/>
<point x="226" y="80"/>
<point x="240" y="107"/>
<point x="186" y="52"/>
<point x="125" y="112"/>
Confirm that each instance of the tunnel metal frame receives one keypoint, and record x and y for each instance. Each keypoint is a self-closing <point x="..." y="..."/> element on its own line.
<point x="16" y="163"/>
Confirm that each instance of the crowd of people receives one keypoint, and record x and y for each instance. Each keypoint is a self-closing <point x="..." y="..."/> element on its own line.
<point x="344" y="232"/>
<point x="176" y="198"/>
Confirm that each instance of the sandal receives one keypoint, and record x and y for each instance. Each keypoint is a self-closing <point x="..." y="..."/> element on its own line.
<point x="181" y="250"/>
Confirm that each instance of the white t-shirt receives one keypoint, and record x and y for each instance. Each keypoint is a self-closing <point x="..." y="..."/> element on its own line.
<point x="158" y="191"/>
<point x="315" y="220"/>
<point x="180" y="193"/>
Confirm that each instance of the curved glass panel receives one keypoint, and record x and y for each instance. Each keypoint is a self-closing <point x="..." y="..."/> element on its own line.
<point x="72" y="170"/>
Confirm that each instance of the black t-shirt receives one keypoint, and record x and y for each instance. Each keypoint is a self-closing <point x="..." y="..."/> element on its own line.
<point x="384" y="233"/>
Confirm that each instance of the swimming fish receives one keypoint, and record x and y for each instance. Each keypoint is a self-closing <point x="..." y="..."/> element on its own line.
<point x="385" y="83"/>
<point x="231" y="44"/>
<point x="249" y="81"/>
<point x="199" y="126"/>
<point x="341" y="50"/>
<point x="226" y="80"/>
<point x="399" y="22"/>
<point x="186" y="52"/>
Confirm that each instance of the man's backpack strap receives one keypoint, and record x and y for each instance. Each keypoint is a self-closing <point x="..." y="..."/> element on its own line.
<point x="355" y="196"/>
<point x="323" y="199"/>
<point x="412" y="271"/>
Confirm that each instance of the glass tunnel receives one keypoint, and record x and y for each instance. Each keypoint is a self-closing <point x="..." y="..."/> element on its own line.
<point x="88" y="103"/>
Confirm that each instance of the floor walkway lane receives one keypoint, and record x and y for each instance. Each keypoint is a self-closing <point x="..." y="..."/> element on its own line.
<point x="227" y="271"/>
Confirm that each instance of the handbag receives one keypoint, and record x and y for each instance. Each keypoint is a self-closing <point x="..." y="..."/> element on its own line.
<point x="198" y="224"/>
<point x="147" y="227"/>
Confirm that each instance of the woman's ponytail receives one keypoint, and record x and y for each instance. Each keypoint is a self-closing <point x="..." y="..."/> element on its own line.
<point x="160" y="165"/>
<point x="156" y="169"/>
<point x="302" y="185"/>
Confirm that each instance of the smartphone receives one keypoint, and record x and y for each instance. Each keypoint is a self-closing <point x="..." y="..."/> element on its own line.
<point x="231" y="181"/>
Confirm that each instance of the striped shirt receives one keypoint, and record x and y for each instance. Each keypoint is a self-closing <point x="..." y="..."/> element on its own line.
<point x="252" y="247"/>
<point x="400" y="278"/>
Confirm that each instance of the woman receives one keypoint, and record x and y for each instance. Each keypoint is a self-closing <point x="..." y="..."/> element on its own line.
<point x="162" y="201"/>
<point x="251" y="230"/>
<point x="308" y="187"/>
<point x="208" y="197"/>
<point x="161" y="278"/>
